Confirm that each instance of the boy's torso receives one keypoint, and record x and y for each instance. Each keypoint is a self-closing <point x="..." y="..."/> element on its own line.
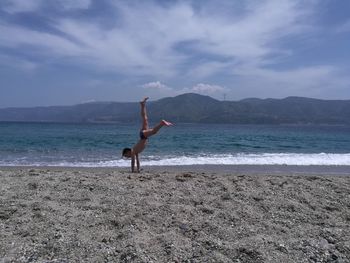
<point x="139" y="146"/>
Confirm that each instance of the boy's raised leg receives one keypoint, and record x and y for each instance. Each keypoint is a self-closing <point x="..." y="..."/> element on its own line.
<point x="166" y="123"/>
<point x="153" y="131"/>
<point x="144" y="114"/>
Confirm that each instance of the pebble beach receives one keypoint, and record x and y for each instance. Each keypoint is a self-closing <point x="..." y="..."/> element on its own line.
<point x="111" y="215"/>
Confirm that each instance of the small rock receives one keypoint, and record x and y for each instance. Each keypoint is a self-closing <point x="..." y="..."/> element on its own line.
<point x="33" y="186"/>
<point x="226" y="196"/>
<point x="258" y="198"/>
<point x="334" y="257"/>
<point x="207" y="210"/>
<point x="180" y="178"/>
<point x="184" y="227"/>
<point x="282" y="248"/>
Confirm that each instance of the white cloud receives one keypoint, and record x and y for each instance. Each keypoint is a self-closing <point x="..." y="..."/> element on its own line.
<point x="46" y="43"/>
<point x="158" y="86"/>
<point x="75" y="4"/>
<point x="88" y="101"/>
<point x="17" y="6"/>
<point x="212" y="90"/>
<point x="18" y="64"/>
<point x="164" y="41"/>
<point x="208" y="69"/>
<point x="345" y="27"/>
<point x="145" y="42"/>
<point x="315" y="81"/>
<point x="208" y="88"/>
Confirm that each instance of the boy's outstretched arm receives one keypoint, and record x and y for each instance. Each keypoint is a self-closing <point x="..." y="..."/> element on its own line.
<point x="137" y="163"/>
<point x="133" y="163"/>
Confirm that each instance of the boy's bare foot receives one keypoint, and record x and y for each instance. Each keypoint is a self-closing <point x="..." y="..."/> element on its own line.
<point x="166" y="123"/>
<point x="144" y="100"/>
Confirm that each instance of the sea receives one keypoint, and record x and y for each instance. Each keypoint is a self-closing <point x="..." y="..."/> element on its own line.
<point x="100" y="145"/>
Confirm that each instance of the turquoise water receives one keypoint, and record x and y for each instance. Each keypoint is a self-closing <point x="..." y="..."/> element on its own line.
<point x="101" y="144"/>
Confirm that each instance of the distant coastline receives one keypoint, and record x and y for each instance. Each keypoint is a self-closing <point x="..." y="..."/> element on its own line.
<point x="182" y="123"/>
<point x="194" y="108"/>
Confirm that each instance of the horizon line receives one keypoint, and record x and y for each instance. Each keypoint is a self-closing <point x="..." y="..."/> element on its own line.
<point x="189" y="93"/>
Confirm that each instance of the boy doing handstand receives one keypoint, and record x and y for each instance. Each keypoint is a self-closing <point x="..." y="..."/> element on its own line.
<point x="145" y="133"/>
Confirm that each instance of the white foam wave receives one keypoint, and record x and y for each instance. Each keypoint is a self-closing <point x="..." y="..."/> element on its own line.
<point x="259" y="159"/>
<point x="216" y="159"/>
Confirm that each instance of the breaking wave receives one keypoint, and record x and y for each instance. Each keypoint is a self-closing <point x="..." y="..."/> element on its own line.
<point x="301" y="159"/>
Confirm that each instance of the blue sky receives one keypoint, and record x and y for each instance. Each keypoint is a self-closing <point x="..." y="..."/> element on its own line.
<point x="59" y="52"/>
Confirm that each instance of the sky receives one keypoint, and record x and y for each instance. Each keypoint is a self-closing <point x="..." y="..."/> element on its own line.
<point x="64" y="52"/>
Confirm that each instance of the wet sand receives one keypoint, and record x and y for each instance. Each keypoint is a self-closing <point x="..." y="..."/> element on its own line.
<point x="172" y="215"/>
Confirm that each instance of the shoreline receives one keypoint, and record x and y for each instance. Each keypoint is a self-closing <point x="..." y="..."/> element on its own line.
<point x="249" y="169"/>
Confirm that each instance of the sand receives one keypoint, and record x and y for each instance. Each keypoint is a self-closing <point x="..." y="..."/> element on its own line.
<point x="106" y="215"/>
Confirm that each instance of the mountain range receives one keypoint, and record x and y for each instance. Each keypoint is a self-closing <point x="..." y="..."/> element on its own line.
<point x="194" y="108"/>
